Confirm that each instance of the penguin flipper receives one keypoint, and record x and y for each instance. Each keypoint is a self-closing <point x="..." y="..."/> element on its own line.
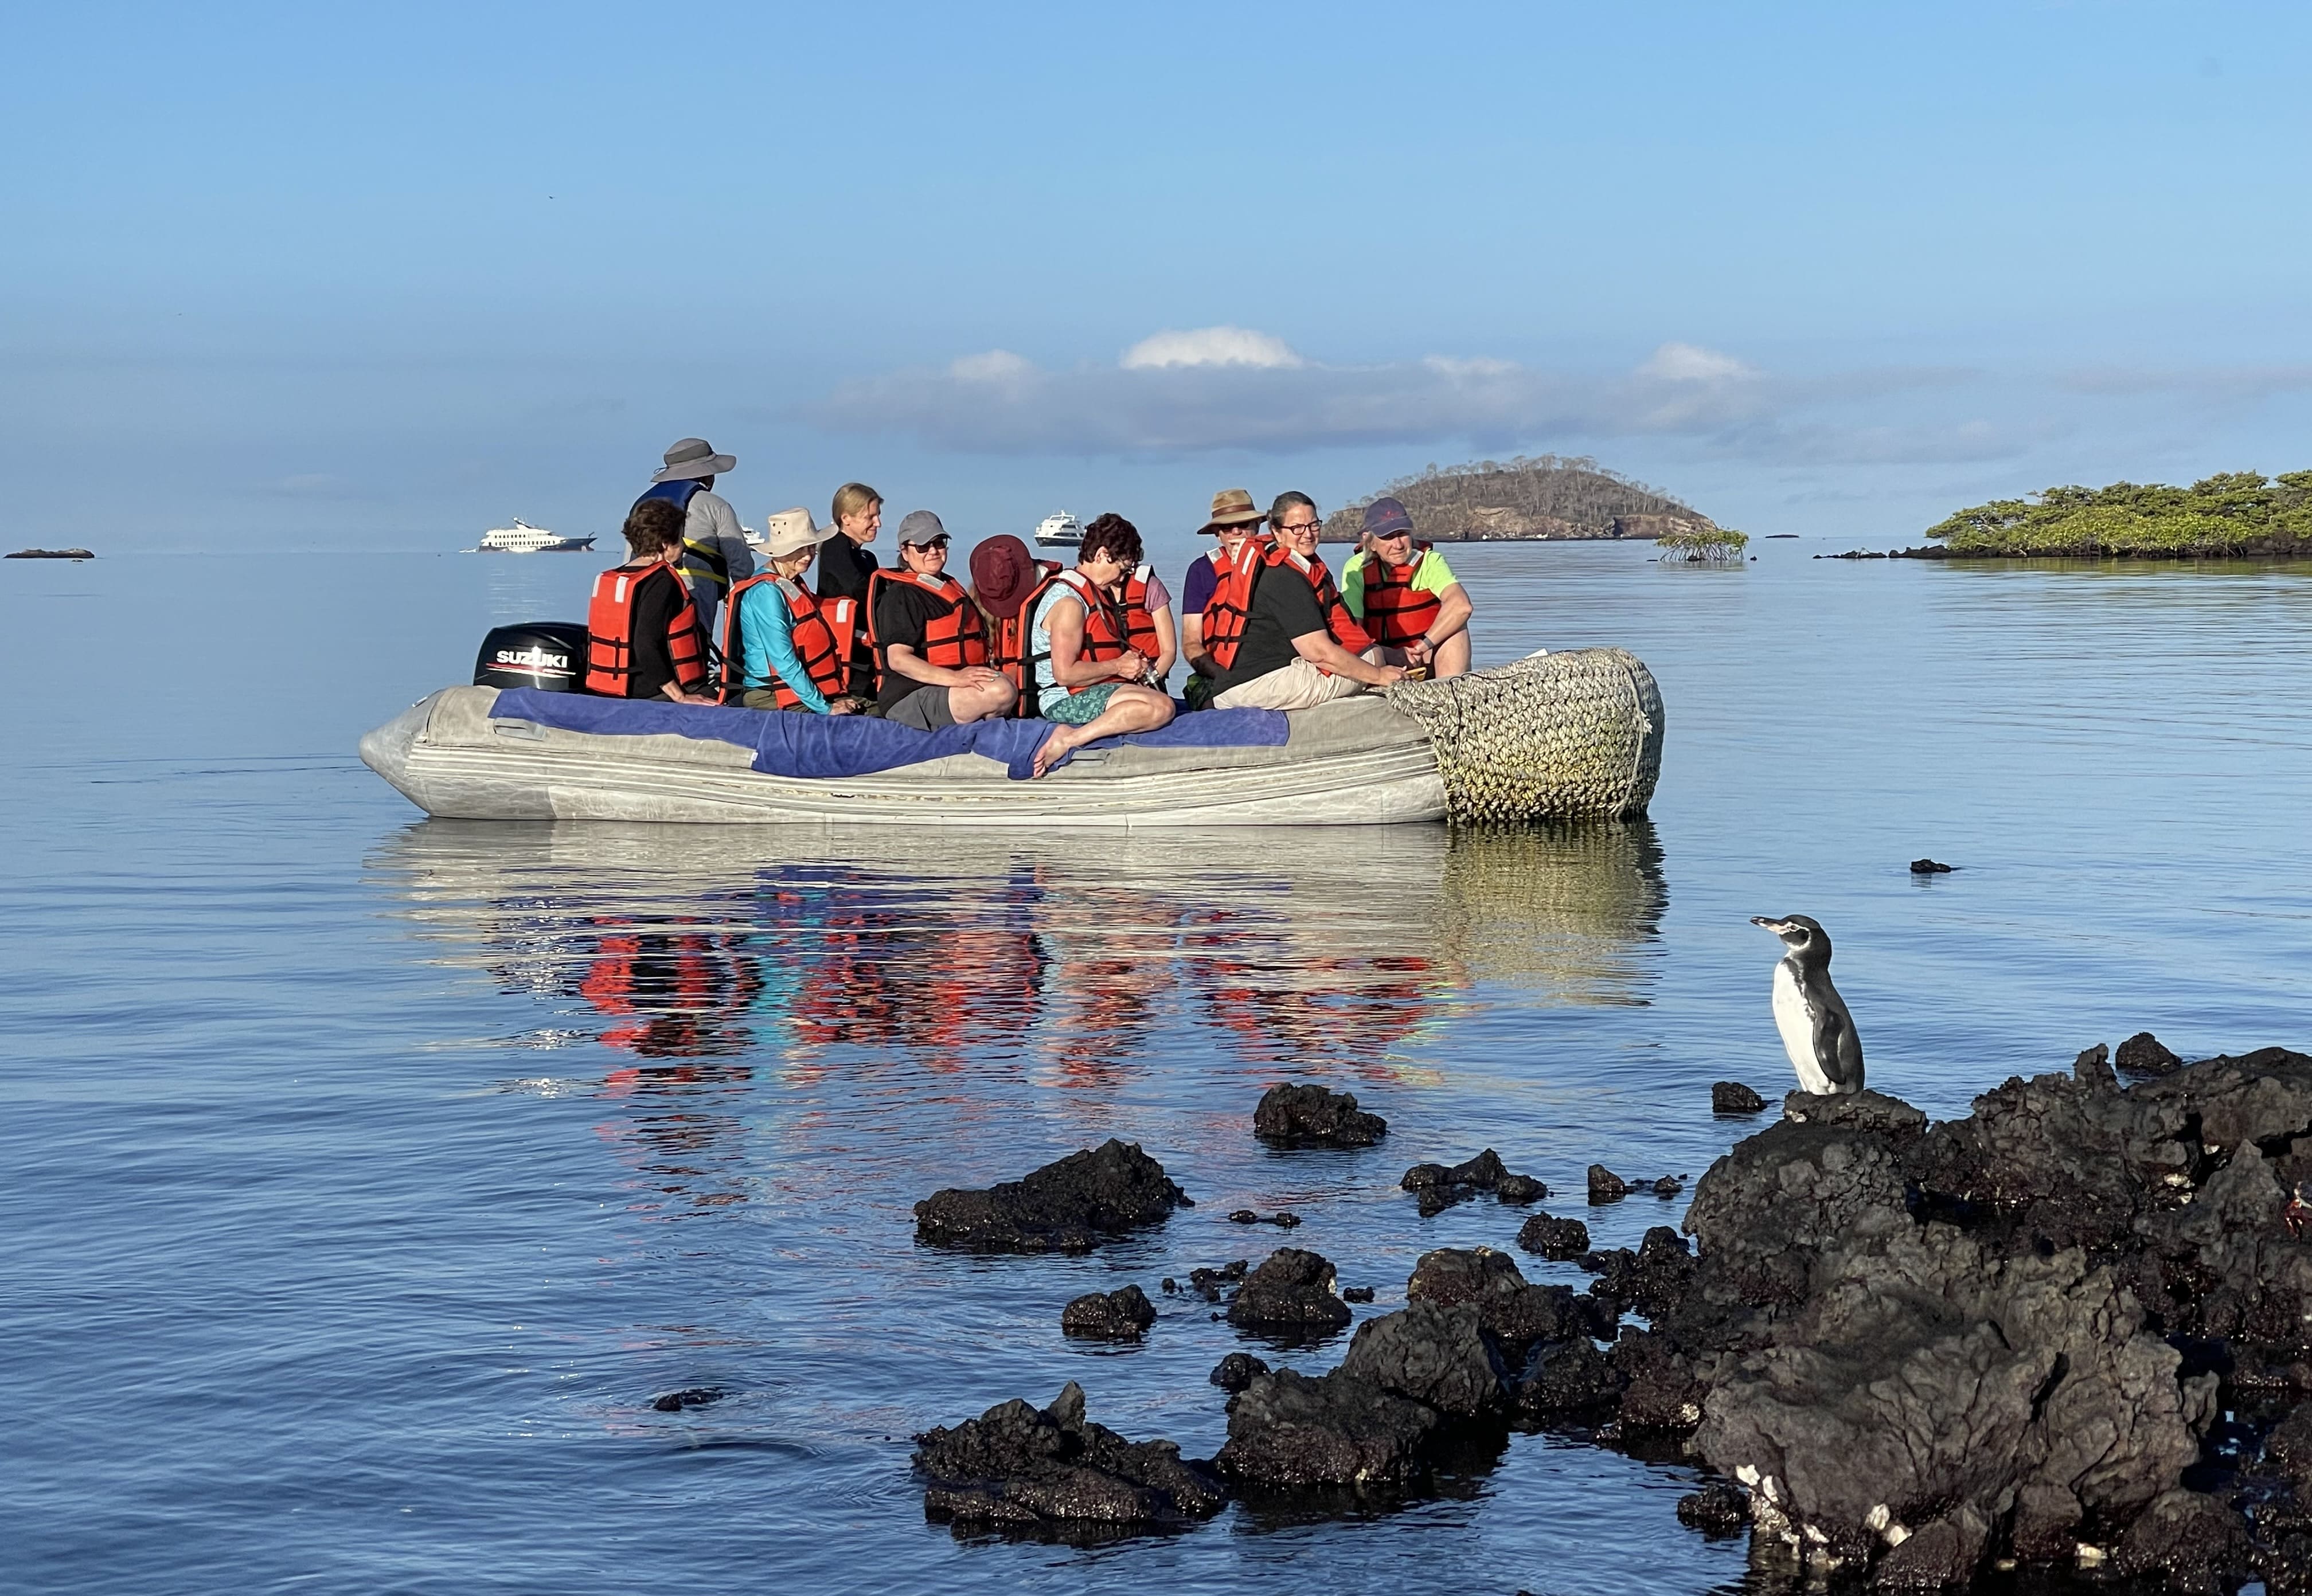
<point x="1834" y="1040"/>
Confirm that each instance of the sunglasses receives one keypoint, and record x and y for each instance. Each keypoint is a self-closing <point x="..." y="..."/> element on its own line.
<point x="939" y="542"/>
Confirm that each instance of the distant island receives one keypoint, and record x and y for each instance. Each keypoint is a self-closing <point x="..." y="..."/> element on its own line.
<point x="1543" y="497"/>
<point x="49" y="555"/>
<point x="2237" y="513"/>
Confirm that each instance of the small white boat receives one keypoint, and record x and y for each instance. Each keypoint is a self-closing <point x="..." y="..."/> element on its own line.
<point x="1570" y="736"/>
<point x="1059" y="531"/>
<point x="523" y="538"/>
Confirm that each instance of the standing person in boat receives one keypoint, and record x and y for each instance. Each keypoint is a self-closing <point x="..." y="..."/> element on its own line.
<point x="1300" y="646"/>
<point x="643" y="636"/>
<point x="1089" y="677"/>
<point x="784" y="647"/>
<point x="715" y="551"/>
<point x="1405" y="597"/>
<point x="845" y="566"/>
<point x="931" y="646"/>
<point x="1233" y="520"/>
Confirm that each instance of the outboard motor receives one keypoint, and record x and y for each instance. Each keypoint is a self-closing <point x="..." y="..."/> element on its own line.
<point x="547" y="655"/>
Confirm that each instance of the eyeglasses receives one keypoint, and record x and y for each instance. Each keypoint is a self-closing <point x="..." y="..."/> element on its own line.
<point x="1299" y="526"/>
<point x="939" y="542"/>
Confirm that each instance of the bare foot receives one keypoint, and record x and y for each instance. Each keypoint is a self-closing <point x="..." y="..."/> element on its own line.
<point x="1049" y="752"/>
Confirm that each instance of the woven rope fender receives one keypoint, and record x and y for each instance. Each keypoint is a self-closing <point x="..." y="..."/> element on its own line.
<point x="1551" y="737"/>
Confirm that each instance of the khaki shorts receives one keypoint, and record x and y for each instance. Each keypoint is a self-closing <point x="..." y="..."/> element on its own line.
<point x="1299" y="686"/>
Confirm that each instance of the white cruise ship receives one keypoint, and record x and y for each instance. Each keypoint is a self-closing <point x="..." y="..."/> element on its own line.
<point x="523" y="538"/>
<point x="1060" y="531"/>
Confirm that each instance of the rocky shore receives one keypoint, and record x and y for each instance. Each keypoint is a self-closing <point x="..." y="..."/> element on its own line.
<point x="2255" y="548"/>
<point x="2069" y="1335"/>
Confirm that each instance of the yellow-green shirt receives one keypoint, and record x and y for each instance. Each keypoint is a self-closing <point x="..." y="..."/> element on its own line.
<point x="1430" y="574"/>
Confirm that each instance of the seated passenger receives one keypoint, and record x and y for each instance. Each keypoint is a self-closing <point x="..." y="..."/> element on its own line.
<point x="1148" y="624"/>
<point x="1088" y="675"/>
<point x="929" y="643"/>
<point x="783" y="647"/>
<point x="1299" y="646"/>
<point x="1405" y="597"/>
<point x="642" y="639"/>
<point x="1002" y="574"/>
<point x="1233" y="520"/>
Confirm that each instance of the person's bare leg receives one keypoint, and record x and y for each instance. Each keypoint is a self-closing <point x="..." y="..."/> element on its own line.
<point x="966" y="705"/>
<point x="1131" y="708"/>
<point x="1452" y="656"/>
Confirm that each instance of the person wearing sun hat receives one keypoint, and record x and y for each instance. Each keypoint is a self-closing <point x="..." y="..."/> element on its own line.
<point x="1232" y="519"/>
<point x="783" y="647"/>
<point x="1004" y="572"/>
<point x="715" y="551"/>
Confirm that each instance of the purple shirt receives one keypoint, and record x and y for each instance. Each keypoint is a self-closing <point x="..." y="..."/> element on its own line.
<point x="1197" y="590"/>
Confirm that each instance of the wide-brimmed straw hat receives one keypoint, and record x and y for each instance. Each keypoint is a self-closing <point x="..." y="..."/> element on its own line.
<point x="1232" y="507"/>
<point x="690" y="457"/>
<point x="791" y="533"/>
<point x="1002" y="574"/>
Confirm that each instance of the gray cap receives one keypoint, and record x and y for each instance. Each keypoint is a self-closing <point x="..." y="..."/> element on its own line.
<point x="919" y="526"/>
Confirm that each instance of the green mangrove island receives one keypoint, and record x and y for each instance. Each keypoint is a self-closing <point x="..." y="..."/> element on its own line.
<point x="2237" y="513"/>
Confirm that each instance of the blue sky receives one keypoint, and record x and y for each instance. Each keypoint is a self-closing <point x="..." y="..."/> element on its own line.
<point x="309" y="277"/>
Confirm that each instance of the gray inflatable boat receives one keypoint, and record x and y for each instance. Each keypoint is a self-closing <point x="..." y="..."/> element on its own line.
<point x="1551" y="737"/>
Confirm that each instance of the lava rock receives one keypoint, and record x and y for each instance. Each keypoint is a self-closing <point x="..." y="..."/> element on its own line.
<point x="1068" y="1206"/>
<point x="1662" y="1386"/>
<point x="1567" y="1381"/>
<point x="2193" y="1541"/>
<point x="1718" y="1510"/>
<point x="1283" y="1218"/>
<point x="1237" y="1371"/>
<point x="1051" y="1473"/>
<point x="1286" y="1431"/>
<point x="1290" y="1293"/>
<point x="1434" y="1355"/>
<point x="1945" y="1554"/>
<point x="1357" y="1294"/>
<point x="1606" y="1186"/>
<point x="1555" y="1239"/>
<point x="1307" y="1116"/>
<point x="1667" y="1187"/>
<point x="1732" y="1097"/>
<point x="696" y="1396"/>
<point x="1654" y="1279"/>
<point x="1927" y="867"/>
<point x="2143" y="1055"/>
<point x="1212" y="1284"/>
<point x="1514" y="1313"/>
<point x="1521" y="1189"/>
<point x="1120" y="1315"/>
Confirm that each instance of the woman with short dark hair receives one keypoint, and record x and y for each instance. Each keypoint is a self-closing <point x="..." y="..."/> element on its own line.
<point x="642" y="631"/>
<point x="1088" y="676"/>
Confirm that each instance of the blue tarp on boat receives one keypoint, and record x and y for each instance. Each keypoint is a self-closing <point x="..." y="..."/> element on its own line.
<point x="788" y="744"/>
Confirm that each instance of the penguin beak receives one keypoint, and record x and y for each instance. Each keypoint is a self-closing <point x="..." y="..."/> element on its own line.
<point x="1776" y="926"/>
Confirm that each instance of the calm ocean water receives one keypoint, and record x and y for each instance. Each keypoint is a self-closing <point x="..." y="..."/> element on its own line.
<point x="366" y="1177"/>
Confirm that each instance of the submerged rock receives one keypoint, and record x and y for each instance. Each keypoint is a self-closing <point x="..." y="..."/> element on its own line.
<point x="1927" y="867"/>
<point x="1299" y="1115"/>
<point x="1439" y="1188"/>
<point x="1069" y="1206"/>
<point x="696" y="1396"/>
<point x="1051" y="1473"/>
<point x="1553" y="1238"/>
<point x="1287" y="1431"/>
<point x="1716" y="1509"/>
<point x="1732" y="1097"/>
<point x="1212" y="1285"/>
<point x="1357" y="1294"/>
<point x="1291" y="1293"/>
<point x="1284" y="1219"/>
<point x="1120" y="1315"/>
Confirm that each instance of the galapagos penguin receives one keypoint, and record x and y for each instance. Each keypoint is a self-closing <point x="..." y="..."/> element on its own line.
<point x="1816" y="1030"/>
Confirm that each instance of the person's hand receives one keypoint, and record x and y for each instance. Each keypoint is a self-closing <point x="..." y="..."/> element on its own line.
<point x="1418" y="650"/>
<point x="1391" y="675"/>
<point x="842" y="706"/>
<point x="1132" y="666"/>
<point x="980" y="675"/>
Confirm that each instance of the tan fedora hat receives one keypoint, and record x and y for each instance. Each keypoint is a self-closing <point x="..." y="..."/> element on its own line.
<point x="791" y="533"/>
<point x="1232" y="507"/>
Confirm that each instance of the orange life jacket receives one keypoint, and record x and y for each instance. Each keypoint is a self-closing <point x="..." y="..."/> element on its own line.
<point x="822" y="632"/>
<point x="1010" y="646"/>
<point x="1395" y="614"/>
<point x="1139" y="625"/>
<point x="611" y="633"/>
<point x="952" y="639"/>
<point x="1225" y="612"/>
<point x="1103" y="630"/>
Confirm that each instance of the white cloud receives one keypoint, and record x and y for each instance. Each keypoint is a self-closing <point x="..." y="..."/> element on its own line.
<point x="1690" y="362"/>
<point x="997" y="365"/>
<point x="1209" y="347"/>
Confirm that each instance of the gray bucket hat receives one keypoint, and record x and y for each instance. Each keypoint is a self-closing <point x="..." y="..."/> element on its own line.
<point x="691" y="458"/>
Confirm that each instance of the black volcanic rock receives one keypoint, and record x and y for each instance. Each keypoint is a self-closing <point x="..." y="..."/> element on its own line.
<point x="1555" y="1239"/>
<point x="1300" y="1115"/>
<point x="1120" y="1315"/>
<point x="1732" y="1097"/>
<point x="1718" y="1509"/>
<point x="1513" y="1311"/>
<point x="1237" y="1371"/>
<point x="2143" y="1055"/>
<point x="696" y="1396"/>
<point x="1606" y="1186"/>
<point x="1286" y="1431"/>
<point x="1069" y="1206"/>
<point x="1292" y="1292"/>
<point x="1051" y="1474"/>
<point x="1439" y="1188"/>
<point x="1437" y="1355"/>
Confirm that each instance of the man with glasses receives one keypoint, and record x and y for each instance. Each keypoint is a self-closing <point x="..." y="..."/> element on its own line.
<point x="1300" y="646"/>
<point x="931" y="646"/>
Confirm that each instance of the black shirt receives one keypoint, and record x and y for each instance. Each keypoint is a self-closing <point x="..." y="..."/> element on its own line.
<point x="903" y="612"/>
<point x="1284" y="606"/>
<point x="658" y="598"/>
<point x="844" y="567"/>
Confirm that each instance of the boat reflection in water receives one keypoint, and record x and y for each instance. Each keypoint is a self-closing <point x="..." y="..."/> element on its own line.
<point x="839" y="954"/>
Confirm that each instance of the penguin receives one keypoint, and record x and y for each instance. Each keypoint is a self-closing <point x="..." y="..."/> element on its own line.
<point x="1816" y="1030"/>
